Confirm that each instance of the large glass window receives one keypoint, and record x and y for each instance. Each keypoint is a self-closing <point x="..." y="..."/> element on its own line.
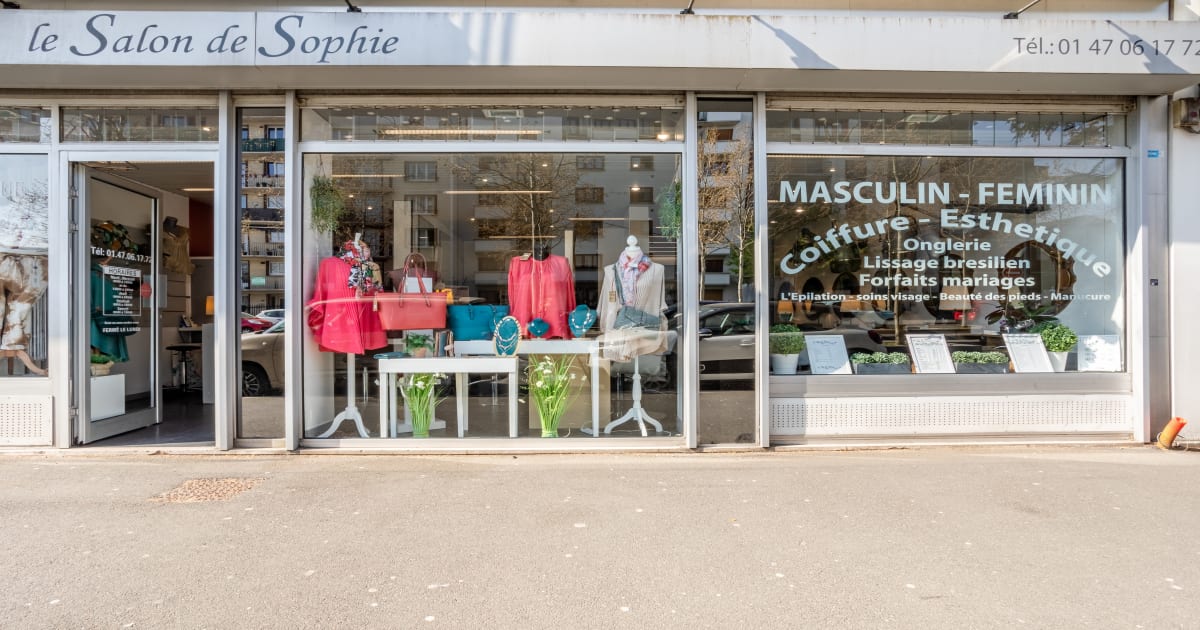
<point x="1000" y="129"/>
<point x="588" y="281"/>
<point x="134" y="124"/>
<point x="888" y="259"/>
<point x="261" y="271"/>
<point x="25" y="124"/>
<point x="24" y="247"/>
<point x="524" y="123"/>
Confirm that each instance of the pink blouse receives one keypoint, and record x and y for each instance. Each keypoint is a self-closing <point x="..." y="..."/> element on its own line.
<point x="340" y="319"/>
<point x="542" y="288"/>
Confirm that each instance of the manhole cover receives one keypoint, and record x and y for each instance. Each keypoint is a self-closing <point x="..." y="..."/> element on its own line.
<point x="200" y="490"/>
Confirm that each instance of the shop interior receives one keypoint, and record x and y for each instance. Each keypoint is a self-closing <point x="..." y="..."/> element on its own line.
<point x="150" y="287"/>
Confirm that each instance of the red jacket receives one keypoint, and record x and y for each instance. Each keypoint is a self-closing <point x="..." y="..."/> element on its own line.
<point x="341" y="320"/>
<point x="542" y="288"/>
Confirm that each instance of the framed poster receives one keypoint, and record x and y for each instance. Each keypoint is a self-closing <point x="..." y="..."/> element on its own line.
<point x="1099" y="353"/>
<point x="827" y="354"/>
<point x="1027" y="352"/>
<point x="930" y="354"/>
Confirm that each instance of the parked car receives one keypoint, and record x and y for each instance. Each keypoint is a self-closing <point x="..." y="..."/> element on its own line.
<point x="727" y="341"/>
<point x="272" y="315"/>
<point x="251" y="323"/>
<point x="262" y="361"/>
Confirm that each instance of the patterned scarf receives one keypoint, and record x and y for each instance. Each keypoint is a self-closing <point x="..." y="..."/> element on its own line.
<point x="629" y="267"/>
<point x="364" y="274"/>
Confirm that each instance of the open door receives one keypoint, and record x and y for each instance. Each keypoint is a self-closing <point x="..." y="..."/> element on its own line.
<point x="115" y="330"/>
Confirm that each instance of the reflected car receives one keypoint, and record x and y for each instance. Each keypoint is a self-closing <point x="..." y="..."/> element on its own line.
<point x="262" y="361"/>
<point x="272" y="315"/>
<point x="251" y="323"/>
<point x="727" y="341"/>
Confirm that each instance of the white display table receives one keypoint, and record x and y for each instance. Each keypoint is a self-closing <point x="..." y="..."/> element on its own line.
<point x="460" y="367"/>
<point x="590" y="347"/>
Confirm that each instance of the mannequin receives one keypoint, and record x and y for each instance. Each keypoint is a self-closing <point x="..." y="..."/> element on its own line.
<point x="642" y="287"/>
<point x="175" y="237"/>
<point x="541" y="285"/>
<point x="341" y="321"/>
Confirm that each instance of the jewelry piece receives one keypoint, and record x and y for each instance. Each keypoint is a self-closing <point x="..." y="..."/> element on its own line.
<point x="538" y="327"/>
<point x="580" y="320"/>
<point x="507" y="336"/>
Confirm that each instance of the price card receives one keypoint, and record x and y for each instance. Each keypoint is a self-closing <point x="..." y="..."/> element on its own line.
<point x="1027" y="352"/>
<point x="1099" y="353"/>
<point x="827" y="354"/>
<point x="930" y="354"/>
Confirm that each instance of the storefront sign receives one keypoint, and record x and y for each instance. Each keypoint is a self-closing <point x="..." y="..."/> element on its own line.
<point x="597" y="39"/>
<point x="1028" y="353"/>
<point x="827" y="354"/>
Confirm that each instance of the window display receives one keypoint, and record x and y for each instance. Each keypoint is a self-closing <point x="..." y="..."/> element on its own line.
<point x="24" y="247"/>
<point x="947" y="252"/>
<point x="495" y="269"/>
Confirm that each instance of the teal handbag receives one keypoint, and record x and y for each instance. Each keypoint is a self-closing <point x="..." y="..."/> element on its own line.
<point x="472" y="322"/>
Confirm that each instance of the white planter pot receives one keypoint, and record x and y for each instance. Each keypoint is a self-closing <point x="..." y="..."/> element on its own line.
<point x="1058" y="361"/>
<point x="784" y="363"/>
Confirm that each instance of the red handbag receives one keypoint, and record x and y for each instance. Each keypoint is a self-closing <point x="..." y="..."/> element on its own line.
<point x="411" y="311"/>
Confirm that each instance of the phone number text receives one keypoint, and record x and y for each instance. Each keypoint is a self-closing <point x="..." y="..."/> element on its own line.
<point x="1102" y="47"/>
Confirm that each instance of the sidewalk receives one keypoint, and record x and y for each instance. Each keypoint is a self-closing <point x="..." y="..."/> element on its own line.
<point x="929" y="538"/>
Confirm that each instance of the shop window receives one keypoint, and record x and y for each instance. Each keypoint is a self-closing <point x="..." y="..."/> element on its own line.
<point x="959" y="252"/>
<point x="131" y="124"/>
<point x="491" y="123"/>
<point x="24" y="247"/>
<point x="946" y="127"/>
<point x="534" y="247"/>
<point x="24" y="125"/>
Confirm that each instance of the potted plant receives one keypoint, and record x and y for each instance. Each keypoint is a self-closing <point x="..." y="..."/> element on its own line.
<point x="1058" y="339"/>
<point x="421" y="397"/>
<point x="417" y="345"/>
<point x="980" y="362"/>
<point x="101" y="364"/>
<point x="327" y="204"/>
<point x="880" y="363"/>
<point x="786" y="343"/>
<point x="550" y="383"/>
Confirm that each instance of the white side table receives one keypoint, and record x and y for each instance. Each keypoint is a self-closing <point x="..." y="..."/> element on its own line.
<point x="590" y="347"/>
<point x="460" y="367"/>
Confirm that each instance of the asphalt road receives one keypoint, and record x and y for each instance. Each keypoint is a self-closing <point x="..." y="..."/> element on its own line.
<point x="930" y="538"/>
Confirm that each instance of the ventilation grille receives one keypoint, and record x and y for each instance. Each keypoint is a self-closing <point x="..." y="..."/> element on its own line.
<point x="917" y="416"/>
<point x="26" y="420"/>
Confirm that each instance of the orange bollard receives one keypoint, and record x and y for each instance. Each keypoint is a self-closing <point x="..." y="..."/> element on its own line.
<point x="1167" y="437"/>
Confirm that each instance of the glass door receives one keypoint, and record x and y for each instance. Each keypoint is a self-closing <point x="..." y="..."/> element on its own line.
<point x="115" y="267"/>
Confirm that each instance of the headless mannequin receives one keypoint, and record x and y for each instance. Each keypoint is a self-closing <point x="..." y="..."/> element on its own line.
<point x="636" y="413"/>
<point x="541" y="252"/>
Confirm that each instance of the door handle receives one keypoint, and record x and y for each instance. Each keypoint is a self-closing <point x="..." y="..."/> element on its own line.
<point x="748" y="342"/>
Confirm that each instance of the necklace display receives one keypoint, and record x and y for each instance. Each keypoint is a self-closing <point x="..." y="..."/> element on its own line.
<point x="507" y="336"/>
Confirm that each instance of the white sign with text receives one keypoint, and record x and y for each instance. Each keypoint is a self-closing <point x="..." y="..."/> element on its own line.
<point x="827" y="354"/>
<point x="1028" y="353"/>
<point x="930" y="354"/>
<point x="1099" y="353"/>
